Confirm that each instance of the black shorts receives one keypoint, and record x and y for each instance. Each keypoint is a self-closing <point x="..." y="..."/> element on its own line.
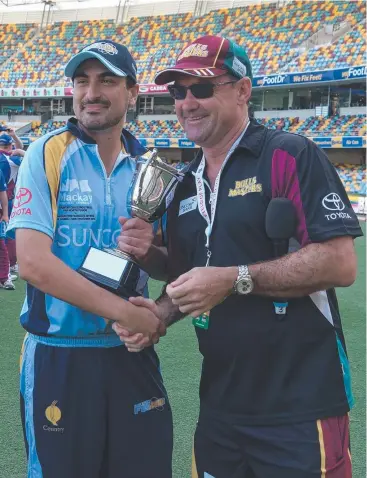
<point x="94" y="413"/>
<point x="318" y="449"/>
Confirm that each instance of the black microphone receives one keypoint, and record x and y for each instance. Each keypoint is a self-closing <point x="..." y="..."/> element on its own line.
<point x="280" y="227"/>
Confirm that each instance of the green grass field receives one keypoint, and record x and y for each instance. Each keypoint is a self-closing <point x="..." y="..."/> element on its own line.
<point x="181" y="364"/>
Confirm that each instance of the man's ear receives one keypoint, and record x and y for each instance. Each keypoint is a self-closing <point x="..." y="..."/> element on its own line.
<point x="244" y="90"/>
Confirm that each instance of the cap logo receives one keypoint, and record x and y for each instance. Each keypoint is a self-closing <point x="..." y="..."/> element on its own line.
<point x="106" y="48"/>
<point x="239" y="67"/>
<point x="195" y="49"/>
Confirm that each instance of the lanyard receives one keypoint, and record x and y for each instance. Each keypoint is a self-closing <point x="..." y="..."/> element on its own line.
<point x="200" y="191"/>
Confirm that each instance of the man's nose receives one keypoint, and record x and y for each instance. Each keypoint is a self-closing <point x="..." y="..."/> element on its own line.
<point x="93" y="92"/>
<point x="190" y="102"/>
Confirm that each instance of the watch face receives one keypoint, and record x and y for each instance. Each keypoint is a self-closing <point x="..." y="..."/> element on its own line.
<point x="244" y="286"/>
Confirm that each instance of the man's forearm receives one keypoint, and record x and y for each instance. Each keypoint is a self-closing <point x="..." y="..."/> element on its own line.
<point x="168" y="312"/>
<point x="313" y="268"/>
<point x="53" y="277"/>
<point x="155" y="262"/>
<point x="18" y="142"/>
<point x="4" y="203"/>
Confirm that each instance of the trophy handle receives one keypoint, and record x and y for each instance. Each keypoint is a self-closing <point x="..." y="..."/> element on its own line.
<point x="142" y="170"/>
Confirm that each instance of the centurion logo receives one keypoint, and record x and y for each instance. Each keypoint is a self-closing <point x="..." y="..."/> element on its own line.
<point x="152" y="404"/>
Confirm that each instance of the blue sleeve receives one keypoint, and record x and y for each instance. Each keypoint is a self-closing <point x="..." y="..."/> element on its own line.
<point x="17" y="160"/>
<point x="5" y="168"/>
<point x="32" y="204"/>
<point x="164" y="229"/>
<point x="2" y="182"/>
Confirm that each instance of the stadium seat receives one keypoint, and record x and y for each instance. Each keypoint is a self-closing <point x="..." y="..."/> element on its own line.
<point x="353" y="177"/>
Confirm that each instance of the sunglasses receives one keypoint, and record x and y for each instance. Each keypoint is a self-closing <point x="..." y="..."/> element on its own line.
<point x="201" y="91"/>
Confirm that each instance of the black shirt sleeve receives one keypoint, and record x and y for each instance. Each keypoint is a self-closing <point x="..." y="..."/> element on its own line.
<point x="308" y="178"/>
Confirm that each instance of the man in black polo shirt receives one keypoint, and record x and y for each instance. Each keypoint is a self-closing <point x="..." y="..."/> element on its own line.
<point x="274" y="394"/>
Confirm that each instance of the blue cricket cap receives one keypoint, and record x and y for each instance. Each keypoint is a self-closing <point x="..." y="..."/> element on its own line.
<point x="114" y="56"/>
<point x="5" y="140"/>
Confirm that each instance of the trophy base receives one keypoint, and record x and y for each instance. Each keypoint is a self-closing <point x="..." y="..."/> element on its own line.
<point x="112" y="270"/>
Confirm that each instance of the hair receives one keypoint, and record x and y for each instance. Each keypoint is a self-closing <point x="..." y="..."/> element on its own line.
<point x="251" y="110"/>
<point x="130" y="82"/>
<point x="232" y="77"/>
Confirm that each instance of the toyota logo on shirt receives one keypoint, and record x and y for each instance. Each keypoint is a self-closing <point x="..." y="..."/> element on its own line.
<point x="23" y="197"/>
<point x="332" y="202"/>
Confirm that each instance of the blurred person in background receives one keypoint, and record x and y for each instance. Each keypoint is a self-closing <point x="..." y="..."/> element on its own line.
<point x="9" y="164"/>
<point x="18" y="143"/>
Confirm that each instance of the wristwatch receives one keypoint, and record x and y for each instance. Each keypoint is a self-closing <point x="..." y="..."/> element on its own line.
<point x="243" y="284"/>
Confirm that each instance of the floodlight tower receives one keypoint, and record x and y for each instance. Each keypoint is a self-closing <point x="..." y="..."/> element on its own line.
<point x="47" y="9"/>
<point x="122" y="15"/>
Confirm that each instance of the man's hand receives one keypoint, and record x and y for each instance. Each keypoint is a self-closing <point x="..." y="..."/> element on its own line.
<point x="136" y="237"/>
<point x="17" y="152"/>
<point x="18" y="142"/>
<point x="4" y="218"/>
<point x="135" y="342"/>
<point x="202" y="288"/>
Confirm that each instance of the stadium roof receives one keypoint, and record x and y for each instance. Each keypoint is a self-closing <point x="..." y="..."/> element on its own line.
<point x="6" y="5"/>
<point x="38" y="5"/>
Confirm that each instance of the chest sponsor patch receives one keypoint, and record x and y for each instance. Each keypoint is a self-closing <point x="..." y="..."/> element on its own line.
<point x="187" y="205"/>
<point x="75" y="201"/>
<point x="246" y="186"/>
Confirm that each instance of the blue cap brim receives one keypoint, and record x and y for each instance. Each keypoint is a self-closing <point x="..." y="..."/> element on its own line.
<point x="87" y="55"/>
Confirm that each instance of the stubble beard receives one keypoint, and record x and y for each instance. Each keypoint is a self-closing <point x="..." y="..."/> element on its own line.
<point x="99" y="124"/>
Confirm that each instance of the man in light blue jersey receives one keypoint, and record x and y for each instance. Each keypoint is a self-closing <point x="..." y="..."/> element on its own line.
<point x="89" y="407"/>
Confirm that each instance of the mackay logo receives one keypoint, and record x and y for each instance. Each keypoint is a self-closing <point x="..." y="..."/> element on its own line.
<point x="22" y="198"/>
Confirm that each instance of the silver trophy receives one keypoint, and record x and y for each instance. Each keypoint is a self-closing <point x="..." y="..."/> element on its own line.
<point x="151" y="191"/>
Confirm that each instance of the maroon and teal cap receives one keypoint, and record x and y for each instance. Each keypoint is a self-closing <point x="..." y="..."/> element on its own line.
<point x="208" y="57"/>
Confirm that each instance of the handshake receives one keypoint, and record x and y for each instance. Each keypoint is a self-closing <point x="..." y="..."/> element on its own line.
<point x="148" y="320"/>
<point x="192" y="293"/>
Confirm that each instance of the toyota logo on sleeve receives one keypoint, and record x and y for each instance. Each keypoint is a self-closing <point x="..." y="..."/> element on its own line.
<point x="332" y="202"/>
<point x="23" y="197"/>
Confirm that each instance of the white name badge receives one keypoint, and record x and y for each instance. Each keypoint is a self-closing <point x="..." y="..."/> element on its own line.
<point x="187" y="205"/>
